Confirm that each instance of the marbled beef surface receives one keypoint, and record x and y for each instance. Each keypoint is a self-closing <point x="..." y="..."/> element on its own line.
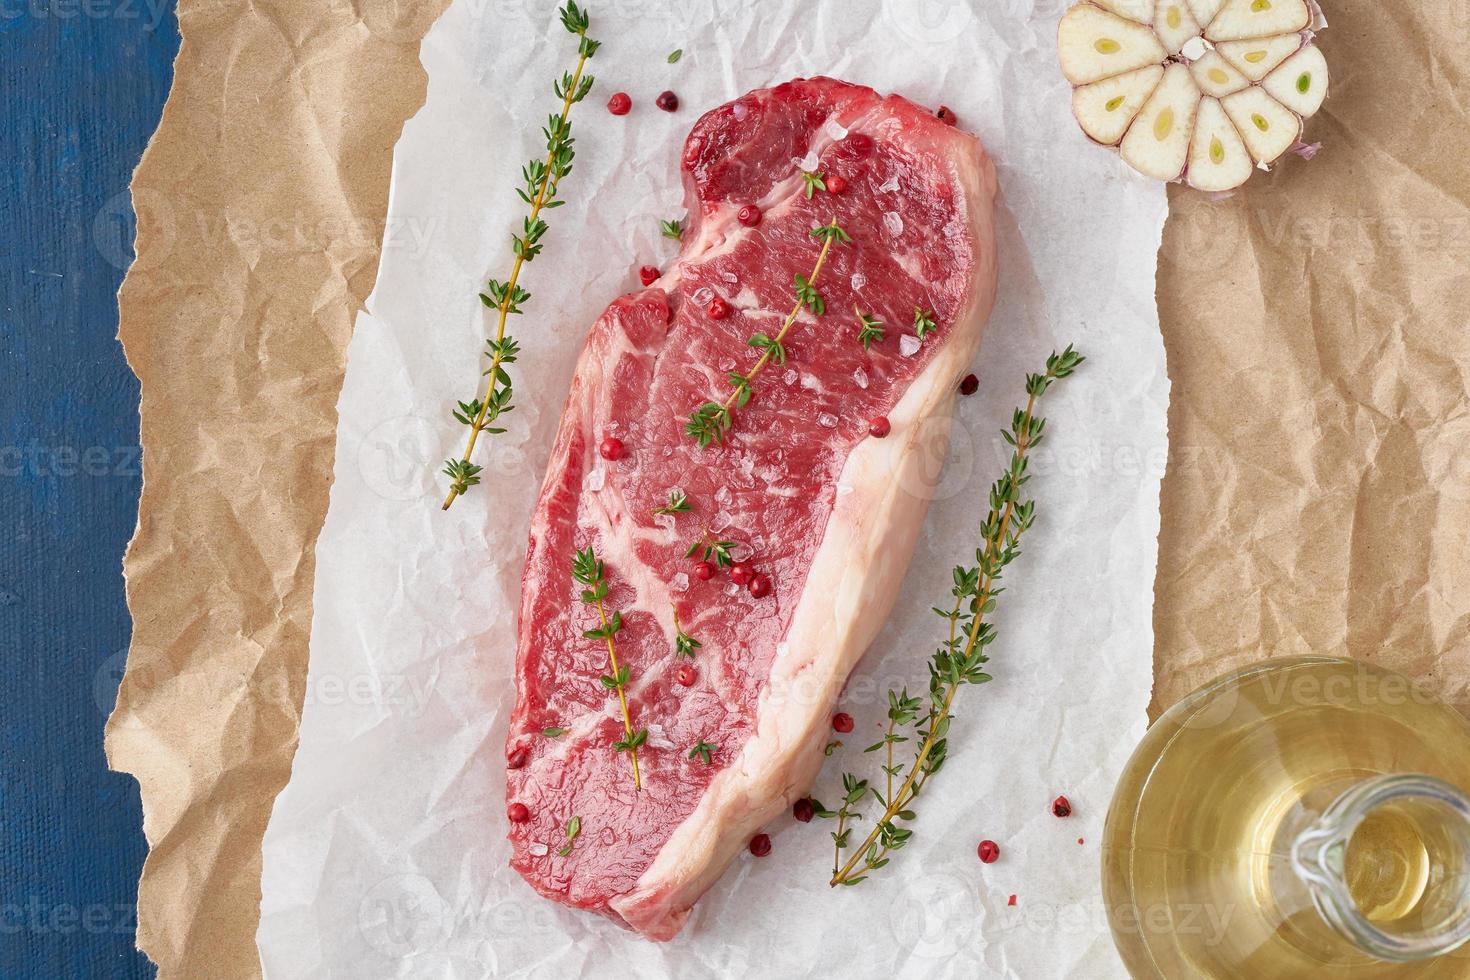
<point x="822" y="508"/>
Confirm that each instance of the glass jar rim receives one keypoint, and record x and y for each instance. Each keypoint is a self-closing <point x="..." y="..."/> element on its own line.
<point x="1330" y="893"/>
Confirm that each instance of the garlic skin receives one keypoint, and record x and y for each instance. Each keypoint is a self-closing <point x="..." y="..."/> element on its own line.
<point x="1200" y="91"/>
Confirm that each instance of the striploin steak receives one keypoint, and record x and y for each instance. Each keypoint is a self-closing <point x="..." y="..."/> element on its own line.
<point x="820" y="497"/>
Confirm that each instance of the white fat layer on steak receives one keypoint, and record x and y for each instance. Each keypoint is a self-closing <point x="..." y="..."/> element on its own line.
<point x="851" y="587"/>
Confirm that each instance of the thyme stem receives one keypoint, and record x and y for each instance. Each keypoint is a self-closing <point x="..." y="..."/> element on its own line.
<point x="958" y="663"/>
<point x="765" y="357"/>
<point x="480" y="412"/>
<point x="588" y="571"/>
<point x="710" y="421"/>
<point x="612" y="662"/>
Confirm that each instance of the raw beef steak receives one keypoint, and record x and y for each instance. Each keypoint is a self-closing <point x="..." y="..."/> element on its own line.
<point x="828" y="512"/>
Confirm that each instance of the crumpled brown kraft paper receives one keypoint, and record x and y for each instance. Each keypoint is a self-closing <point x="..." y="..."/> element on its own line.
<point x="1316" y="498"/>
<point x="260" y="200"/>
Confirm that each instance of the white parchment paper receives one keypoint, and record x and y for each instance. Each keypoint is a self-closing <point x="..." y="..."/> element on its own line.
<point x="385" y="855"/>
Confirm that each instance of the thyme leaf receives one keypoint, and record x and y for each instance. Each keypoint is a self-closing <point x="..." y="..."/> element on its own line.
<point x="574" y="830"/>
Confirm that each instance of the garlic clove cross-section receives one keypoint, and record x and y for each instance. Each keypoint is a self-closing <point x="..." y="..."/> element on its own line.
<point x="1217" y="77"/>
<point x="1105" y="109"/>
<point x="1157" y="144"/>
<point x="1204" y="10"/>
<point x="1204" y="91"/>
<point x="1096" y="44"/>
<point x="1300" y="83"/>
<point x="1268" y="127"/>
<point x="1240" y="19"/>
<point x="1139" y="10"/>
<point x="1256" y="57"/>
<point x="1218" y="158"/>
<point x="1175" y="25"/>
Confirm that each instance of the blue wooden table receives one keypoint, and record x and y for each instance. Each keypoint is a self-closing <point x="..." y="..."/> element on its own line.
<point x="83" y="83"/>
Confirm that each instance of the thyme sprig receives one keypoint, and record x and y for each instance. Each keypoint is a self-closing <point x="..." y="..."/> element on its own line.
<point x="712" y="420"/>
<point x="871" y="328"/>
<point x="684" y="644"/>
<point x="671" y="229"/>
<point x="813" y="181"/>
<point x="717" y="551"/>
<point x="960" y="659"/>
<point x="589" y="572"/>
<point x="678" y="504"/>
<point x="541" y="182"/>
<point x="702" y="750"/>
<point x="923" y="322"/>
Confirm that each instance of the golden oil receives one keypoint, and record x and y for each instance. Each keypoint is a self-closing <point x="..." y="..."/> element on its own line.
<point x="1298" y="819"/>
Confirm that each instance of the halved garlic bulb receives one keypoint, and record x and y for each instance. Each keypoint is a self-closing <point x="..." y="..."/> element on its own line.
<point x="1203" y="91"/>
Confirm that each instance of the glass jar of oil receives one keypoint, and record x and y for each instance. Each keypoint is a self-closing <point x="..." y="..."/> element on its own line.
<point x="1300" y="818"/>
